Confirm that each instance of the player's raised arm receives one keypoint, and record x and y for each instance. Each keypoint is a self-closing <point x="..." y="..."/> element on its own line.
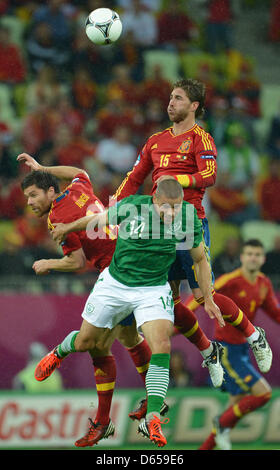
<point x="204" y="278"/>
<point x="61" y="172"/>
<point x="89" y="222"/>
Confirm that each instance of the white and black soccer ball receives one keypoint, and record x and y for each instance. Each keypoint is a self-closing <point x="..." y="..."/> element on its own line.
<point x="103" y="26"/>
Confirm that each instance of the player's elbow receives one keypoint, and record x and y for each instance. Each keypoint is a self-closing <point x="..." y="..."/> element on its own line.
<point x="77" y="260"/>
<point x="81" y="263"/>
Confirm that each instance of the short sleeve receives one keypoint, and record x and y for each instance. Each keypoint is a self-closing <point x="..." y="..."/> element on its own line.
<point x="197" y="230"/>
<point x="120" y="211"/>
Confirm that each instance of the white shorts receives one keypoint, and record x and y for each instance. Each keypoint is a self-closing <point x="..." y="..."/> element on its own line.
<point x="111" y="301"/>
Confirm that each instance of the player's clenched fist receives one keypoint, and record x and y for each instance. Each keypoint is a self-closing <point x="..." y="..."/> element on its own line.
<point x="41" y="267"/>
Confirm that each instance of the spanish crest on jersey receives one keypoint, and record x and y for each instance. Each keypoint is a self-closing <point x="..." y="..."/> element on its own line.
<point x="185" y="146"/>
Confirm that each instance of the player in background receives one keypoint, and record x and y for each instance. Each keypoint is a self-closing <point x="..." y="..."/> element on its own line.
<point x="248" y="390"/>
<point x="78" y="199"/>
<point x="188" y="153"/>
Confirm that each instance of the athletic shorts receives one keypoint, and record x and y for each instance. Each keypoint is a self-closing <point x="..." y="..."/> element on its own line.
<point x="240" y="374"/>
<point x="183" y="267"/>
<point x="111" y="302"/>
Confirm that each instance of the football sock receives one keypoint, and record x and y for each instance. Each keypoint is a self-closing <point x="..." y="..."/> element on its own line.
<point x="141" y="355"/>
<point x="246" y="405"/>
<point x="67" y="345"/>
<point x="186" y="323"/>
<point x="232" y="314"/>
<point x="209" y="443"/>
<point x="157" y="381"/>
<point x="234" y="413"/>
<point x="105" y="378"/>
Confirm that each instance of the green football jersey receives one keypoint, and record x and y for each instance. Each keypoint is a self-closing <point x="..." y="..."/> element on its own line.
<point x="146" y="246"/>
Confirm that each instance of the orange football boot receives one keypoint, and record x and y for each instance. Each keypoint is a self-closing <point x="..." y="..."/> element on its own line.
<point x="152" y="430"/>
<point x="47" y="365"/>
<point x="95" y="433"/>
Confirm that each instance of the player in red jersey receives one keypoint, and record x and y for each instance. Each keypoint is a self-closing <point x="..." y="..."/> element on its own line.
<point x="251" y="290"/>
<point x="188" y="153"/>
<point x="44" y="197"/>
<point x="78" y="199"/>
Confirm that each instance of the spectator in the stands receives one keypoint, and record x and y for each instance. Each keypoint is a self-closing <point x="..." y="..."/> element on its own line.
<point x="219" y="26"/>
<point x="42" y="49"/>
<point x="53" y="14"/>
<point x="274" y="23"/>
<point x="175" y="27"/>
<point x="233" y="196"/>
<point x="117" y="153"/>
<point x="141" y="22"/>
<point x="229" y="258"/>
<point x="273" y="138"/>
<point x="269" y="191"/>
<point x="12" y="65"/>
<point x="272" y="262"/>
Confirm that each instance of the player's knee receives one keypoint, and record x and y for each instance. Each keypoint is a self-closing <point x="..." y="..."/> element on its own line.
<point x="175" y="287"/>
<point x="84" y="343"/>
<point x="161" y="347"/>
<point x="128" y="337"/>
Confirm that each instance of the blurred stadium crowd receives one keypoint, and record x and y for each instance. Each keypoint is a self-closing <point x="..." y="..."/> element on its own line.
<point x="68" y="102"/>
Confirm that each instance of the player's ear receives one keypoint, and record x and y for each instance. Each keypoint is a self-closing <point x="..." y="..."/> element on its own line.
<point x="51" y="191"/>
<point x="195" y="105"/>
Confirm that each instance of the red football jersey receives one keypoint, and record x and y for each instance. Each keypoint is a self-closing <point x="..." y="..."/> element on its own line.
<point x="76" y="201"/>
<point x="249" y="297"/>
<point x="193" y="153"/>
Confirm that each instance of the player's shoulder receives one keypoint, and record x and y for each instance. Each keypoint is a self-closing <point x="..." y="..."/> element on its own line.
<point x="158" y="135"/>
<point x="233" y="276"/>
<point x="264" y="278"/>
<point x="203" y="139"/>
<point x="200" y="131"/>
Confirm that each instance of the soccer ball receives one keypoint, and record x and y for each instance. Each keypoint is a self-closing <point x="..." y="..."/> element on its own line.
<point x="103" y="26"/>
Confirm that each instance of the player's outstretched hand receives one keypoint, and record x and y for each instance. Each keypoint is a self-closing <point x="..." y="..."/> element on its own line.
<point x="59" y="232"/>
<point x="29" y="161"/>
<point x="41" y="267"/>
<point x="213" y="311"/>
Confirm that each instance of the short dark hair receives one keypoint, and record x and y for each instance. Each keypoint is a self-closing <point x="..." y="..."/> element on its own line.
<point x="195" y="91"/>
<point x="41" y="179"/>
<point x="170" y="188"/>
<point x="252" y="242"/>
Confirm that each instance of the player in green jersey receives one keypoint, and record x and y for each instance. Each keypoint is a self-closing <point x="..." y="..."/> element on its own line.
<point x="150" y="229"/>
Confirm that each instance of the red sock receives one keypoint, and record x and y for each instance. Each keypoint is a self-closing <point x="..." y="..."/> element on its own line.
<point x="209" y="443"/>
<point x="105" y="377"/>
<point x="141" y="355"/>
<point x="186" y="322"/>
<point x="232" y="314"/>
<point x="246" y="405"/>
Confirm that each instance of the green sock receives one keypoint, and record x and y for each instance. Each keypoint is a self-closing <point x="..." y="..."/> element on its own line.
<point x="157" y="381"/>
<point x="67" y="345"/>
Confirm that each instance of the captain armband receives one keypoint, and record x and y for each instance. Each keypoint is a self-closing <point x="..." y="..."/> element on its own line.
<point x="185" y="181"/>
